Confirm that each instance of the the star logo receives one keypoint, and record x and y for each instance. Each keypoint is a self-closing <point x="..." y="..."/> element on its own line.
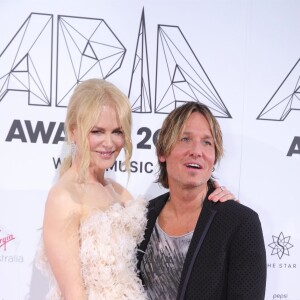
<point x="281" y="245"/>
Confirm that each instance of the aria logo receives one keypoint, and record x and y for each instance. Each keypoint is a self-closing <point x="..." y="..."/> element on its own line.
<point x="87" y="47"/>
<point x="281" y="245"/>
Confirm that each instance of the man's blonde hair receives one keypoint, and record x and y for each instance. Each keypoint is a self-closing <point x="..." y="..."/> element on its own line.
<point x="172" y="128"/>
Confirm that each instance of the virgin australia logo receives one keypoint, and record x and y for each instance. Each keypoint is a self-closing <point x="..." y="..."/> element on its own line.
<point x="281" y="245"/>
<point x="4" y="240"/>
<point x="8" y="255"/>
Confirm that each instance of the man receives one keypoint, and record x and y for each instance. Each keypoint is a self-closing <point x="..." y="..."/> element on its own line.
<point x="195" y="248"/>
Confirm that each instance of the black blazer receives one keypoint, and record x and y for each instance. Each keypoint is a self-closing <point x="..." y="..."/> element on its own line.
<point x="226" y="258"/>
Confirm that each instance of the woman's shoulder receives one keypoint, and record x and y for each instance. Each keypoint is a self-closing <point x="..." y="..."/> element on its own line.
<point x="62" y="188"/>
<point x="63" y="196"/>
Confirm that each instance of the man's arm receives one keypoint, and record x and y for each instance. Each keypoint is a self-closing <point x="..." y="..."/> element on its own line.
<point x="247" y="266"/>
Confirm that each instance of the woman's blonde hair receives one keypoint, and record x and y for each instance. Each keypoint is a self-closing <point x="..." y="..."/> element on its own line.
<point x="83" y="111"/>
<point x="172" y="128"/>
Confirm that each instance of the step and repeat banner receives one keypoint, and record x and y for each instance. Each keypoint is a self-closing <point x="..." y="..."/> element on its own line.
<point x="239" y="57"/>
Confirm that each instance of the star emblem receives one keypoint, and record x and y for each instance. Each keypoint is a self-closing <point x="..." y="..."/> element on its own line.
<point x="280" y="245"/>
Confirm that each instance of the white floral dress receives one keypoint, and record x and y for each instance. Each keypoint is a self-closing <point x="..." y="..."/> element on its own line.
<point x="108" y="253"/>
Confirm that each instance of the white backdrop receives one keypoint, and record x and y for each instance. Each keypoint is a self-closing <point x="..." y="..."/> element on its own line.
<point x="240" y="57"/>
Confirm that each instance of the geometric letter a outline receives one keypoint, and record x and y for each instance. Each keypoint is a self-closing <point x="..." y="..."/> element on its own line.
<point x="26" y="62"/>
<point x="285" y="99"/>
<point x="180" y="76"/>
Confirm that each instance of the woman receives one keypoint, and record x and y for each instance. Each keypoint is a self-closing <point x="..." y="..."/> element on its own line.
<point x="91" y="224"/>
<point x="90" y="230"/>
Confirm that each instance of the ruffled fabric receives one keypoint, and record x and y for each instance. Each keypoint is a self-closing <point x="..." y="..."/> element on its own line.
<point x="41" y="262"/>
<point x="108" y="253"/>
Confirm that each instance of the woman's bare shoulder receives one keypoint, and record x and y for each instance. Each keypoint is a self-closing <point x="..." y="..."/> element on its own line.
<point x="63" y="197"/>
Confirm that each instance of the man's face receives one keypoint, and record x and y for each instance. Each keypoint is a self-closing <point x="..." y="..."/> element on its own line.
<point x="191" y="161"/>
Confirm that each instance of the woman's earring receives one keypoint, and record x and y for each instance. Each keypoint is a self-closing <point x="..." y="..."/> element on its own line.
<point x="73" y="150"/>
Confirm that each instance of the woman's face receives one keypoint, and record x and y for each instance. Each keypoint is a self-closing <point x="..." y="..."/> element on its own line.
<point x="106" y="139"/>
